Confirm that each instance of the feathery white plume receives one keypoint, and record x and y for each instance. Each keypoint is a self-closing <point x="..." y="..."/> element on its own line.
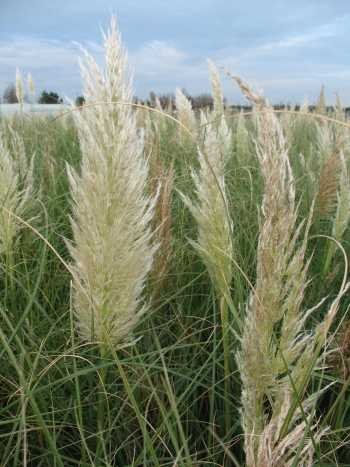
<point x="112" y="248"/>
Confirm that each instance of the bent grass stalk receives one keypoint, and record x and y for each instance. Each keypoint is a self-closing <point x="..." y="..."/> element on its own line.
<point x="277" y="369"/>
<point x="272" y="321"/>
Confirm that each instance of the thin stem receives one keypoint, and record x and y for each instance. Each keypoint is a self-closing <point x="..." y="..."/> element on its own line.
<point x="101" y="403"/>
<point x="226" y="348"/>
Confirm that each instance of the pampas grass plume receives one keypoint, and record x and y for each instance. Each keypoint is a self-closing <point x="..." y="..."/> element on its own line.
<point x="112" y="248"/>
<point x="31" y="86"/>
<point x="186" y="117"/>
<point x="16" y="187"/>
<point x="276" y="350"/>
<point x="19" y="87"/>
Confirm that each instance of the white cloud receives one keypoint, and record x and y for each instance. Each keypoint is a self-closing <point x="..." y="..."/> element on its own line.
<point x="299" y="40"/>
<point x="293" y="65"/>
<point x="298" y="43"/>
<point x="37" y="53"/>
<point x="157" y="57"/>
<point x="162" y="66"/>
<point x="53" y="64"/>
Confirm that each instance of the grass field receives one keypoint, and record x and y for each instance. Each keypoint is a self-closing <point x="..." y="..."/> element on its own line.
<point x="226" y="366"/>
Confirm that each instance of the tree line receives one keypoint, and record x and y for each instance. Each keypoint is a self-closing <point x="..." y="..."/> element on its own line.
<point x="165" y="101"/>
<point x="46" y="97"/>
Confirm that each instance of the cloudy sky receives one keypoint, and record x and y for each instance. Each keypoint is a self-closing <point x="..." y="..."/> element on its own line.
<point x="287" y="48"/>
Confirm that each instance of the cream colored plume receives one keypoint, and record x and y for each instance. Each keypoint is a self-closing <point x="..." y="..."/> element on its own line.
<point x="16" y="187"/>
<point x="186" y="116"/>
<point x="210" y="210"/>
<point x="31" y="86"/>
<point x="321" y="106"/>
<point x="112" y="248"/>
<point x="277" y="354"/>
<point x="19" y="87"/>
<point x="216" y="91"/>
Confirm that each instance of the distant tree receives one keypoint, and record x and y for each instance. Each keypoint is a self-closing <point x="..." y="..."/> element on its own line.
<point x="138" y="100"/>
<point x="202" y="100"/>
<point x="9" y="96"/>
<point x="167" y="100"/>
<point x="152" y="99"/>
<point x="80" y="101"/>
<point x="50" y="98"/>
<point x="185" y="93"/>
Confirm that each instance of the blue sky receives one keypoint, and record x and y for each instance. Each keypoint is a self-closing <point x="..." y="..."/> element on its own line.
<point x="286" y="48"/>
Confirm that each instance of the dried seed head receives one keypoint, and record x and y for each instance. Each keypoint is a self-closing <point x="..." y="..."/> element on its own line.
<point x="321" y="107"/>
<point x="19" y="87"/>
<point x="186" y="117"/>
<point x="216" y="90"/>
<point x="272" y="422"/>
<point x="113" y="247"/>
<point x="210" y="210"/>
<point x="31" y="85"/>
<point x="16" y="187"/>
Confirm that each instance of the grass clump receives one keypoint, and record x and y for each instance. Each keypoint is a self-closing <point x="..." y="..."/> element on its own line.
<point x="242" y="355"/>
